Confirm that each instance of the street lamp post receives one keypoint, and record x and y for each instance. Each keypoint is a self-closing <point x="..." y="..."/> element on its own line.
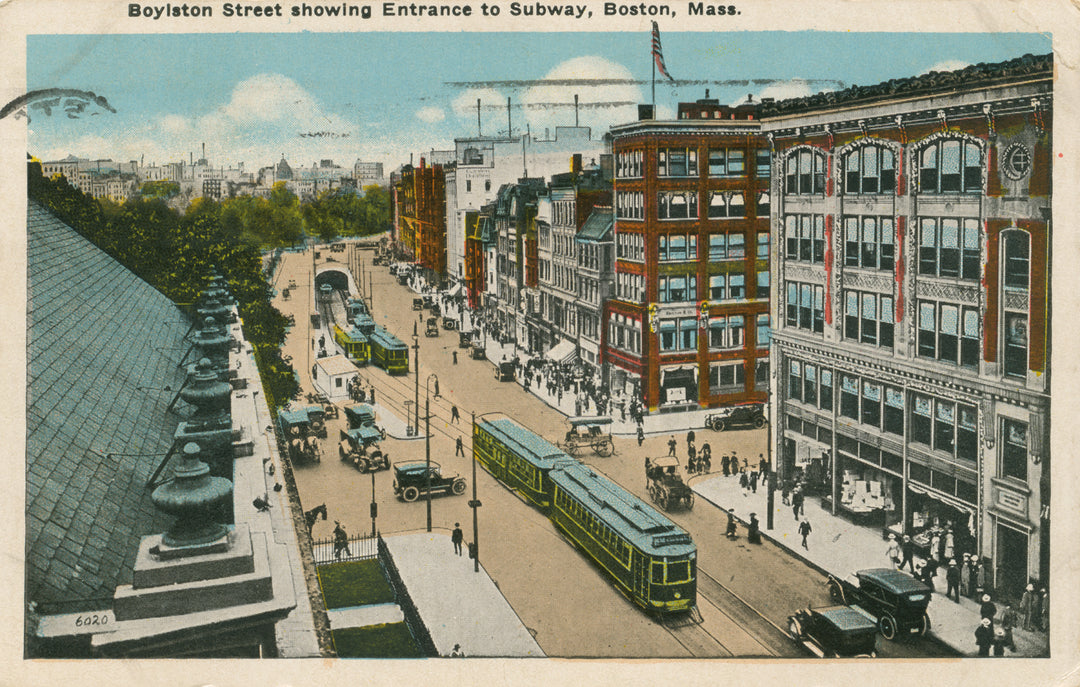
<point x="427" y="439"/>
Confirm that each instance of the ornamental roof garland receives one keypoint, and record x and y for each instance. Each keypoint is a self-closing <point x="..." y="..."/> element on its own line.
<point x="973" y="76"/>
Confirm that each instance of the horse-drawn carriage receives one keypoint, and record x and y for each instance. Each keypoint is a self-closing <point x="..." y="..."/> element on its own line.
<point x="432" y="328"/>
<point x="665" y="484"/>
<point x="588" y="432"/>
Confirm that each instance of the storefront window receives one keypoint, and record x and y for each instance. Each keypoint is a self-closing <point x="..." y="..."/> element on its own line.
<point x="944" y="423"/>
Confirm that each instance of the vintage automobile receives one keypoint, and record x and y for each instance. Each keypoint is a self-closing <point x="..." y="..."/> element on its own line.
<point x="665" y="485"/>
<point x="418" y="304"/>
<point x="363" y="415"/>
<point x="835" y="632"/>
<point x="432" y="327"/>
<point x="736" y="416"/>
<point x="449" y="323"/>
<point x="411" y="480"/>
<point x="504" y="371"/>
<point x="436" y="310"/>
<point x="588" y="432"/>
<point x="895" y="599"/>
<point x="477" y="352"/>
<point x="300" y="434"/>
<point x="464" y="339"/>
<point x="429" y="302"/>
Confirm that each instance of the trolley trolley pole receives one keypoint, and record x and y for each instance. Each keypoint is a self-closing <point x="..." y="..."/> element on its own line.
<point x="771" y="493"/>
<point x="427" y="438"/>
<point x="416" y="358"/>
<point x="475" y="504"/>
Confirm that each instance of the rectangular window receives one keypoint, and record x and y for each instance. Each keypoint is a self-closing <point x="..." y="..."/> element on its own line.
<point x="1017" y="260"/>
<point x="795" y="380"/>
<point x="921" y="419"/>
<point x="763" y="160"/>
<point x="737" y="285"/>
<point x="825" y="395"/>
<point x="967" y="442"/>
<point x="727" y="162"/>
<point x="676" y="205"/>
<point x="762" y="285"/>
<point x="764" y="331"/>
<point x="894" y="411"/>
<point x="810" y="386"/>
<point x="717" y="287"/>
<point x="849" y="396"/>
<point x="1016" y="345"/>
<point x="1014" y="452"/>
<point x="736" y="246"/>
<point x="819" y="239"/>
<point x="763" y="244"/>
<point x="944" y="426"/>
<point x="871" y="404"/>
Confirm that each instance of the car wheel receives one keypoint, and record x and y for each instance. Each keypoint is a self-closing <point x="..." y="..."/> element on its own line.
<point x="361" y="464"/>
<point x="795" y="630"/>
<point x="835" y="592"/>
<point x="459" y="487"/>
<point x="887" y="625"/>
<point x="603" y="449"/>
<point x="718" y="425"/>
<point x="410" y="494"/>
<point x="924" y="625"/>
<point x="759" y="422"/>
<point x="343" y="453"/>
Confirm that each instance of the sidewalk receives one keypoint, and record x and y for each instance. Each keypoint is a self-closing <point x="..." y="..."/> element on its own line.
<point x="456" y="604"/>
<point x="839" y="548"/>
<point x="363" y="616"/>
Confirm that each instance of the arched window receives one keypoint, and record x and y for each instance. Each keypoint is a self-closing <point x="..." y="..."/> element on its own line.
<point x="950" y="166"/>
<point x="870" y="169"/>
<point x="804" y="173"/>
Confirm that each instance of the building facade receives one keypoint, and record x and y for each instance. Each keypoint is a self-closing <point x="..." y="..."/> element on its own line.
<point x="688" y="325"/>
<point x="420" y="205"/>
<point x="910" y="340"/>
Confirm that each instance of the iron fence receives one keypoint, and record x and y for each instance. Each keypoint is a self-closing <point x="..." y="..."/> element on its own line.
<point x="360" y="548"/>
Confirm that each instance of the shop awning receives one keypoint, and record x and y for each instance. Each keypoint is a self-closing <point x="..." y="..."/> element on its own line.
<point x="562" y="353"/>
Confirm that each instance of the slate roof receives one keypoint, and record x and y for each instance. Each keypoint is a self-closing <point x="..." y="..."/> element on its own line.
<point x="597" y="227"/>
<point x="95" y="332"/>
<point x="984" y="74"/>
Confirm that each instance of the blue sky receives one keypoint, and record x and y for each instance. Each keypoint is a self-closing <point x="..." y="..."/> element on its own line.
<point x="380" y="96"/>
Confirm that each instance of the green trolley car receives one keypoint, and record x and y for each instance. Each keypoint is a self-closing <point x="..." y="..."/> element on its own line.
<point x="388" y="352"/>
<point x="354" y="343"/>
<point x="516" y="457"/>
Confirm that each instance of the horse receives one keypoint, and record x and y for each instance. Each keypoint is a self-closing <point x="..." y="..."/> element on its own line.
<point x="312" y="515"/>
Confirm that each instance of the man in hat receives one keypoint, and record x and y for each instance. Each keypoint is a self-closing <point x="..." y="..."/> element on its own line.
<point x="965" y="575"/>
<point x="908" y="551"/>
<point x="671" y="444"/>
<point x="984" y="637"/>
<point x="457" y="653"/>
<point x="892" y="552"/>
<point x="804" y="530"/>
<point x="457" y="537"/>
<point x="1027" y="608"/>
<point x="988" y="609"/>
<point x="952" y="580"/>
<point x="1009" y="619"/>
<point x="753" y="533"/>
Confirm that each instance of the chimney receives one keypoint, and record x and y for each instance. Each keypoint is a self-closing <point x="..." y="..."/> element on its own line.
<point x="575" y="163"/>
<point x="706" y="93"/>
<point x="644" y="112"/>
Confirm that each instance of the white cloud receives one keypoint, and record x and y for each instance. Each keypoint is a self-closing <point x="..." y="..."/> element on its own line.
<point x="947" y="66"/>
<point x="431" y="114"/>
<point x="599" y="106"/>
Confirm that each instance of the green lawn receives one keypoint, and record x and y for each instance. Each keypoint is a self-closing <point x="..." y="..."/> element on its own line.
<point x="376" y="641"/>
<point x="355" y="583"/>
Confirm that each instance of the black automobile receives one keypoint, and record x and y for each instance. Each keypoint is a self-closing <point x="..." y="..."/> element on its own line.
<point x="895" y="599"/>
<point x="411" y="480"/>
<point x="835" y="632"/>
<point x="751" y="415"/>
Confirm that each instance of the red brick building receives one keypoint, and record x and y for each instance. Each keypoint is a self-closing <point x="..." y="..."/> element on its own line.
<point x="689" y="324"/>
<point x="421" y="215"/>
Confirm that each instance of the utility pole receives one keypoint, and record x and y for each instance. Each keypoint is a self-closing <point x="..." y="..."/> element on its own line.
<point x="474" y="504"/>
<point x="374" y="506"/>
<point x="427" y="454"/>
<point x="416" y="356"/>
<point x="771" y="494"/>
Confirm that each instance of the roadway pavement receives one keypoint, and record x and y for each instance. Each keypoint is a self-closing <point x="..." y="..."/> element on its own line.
<point x="566" y="603"/>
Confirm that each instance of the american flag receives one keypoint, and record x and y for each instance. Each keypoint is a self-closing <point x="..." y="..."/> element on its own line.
<point x="658" y="52"/>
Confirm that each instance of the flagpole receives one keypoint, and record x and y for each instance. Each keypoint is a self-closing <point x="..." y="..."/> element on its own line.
<point x="653" y="55"/>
